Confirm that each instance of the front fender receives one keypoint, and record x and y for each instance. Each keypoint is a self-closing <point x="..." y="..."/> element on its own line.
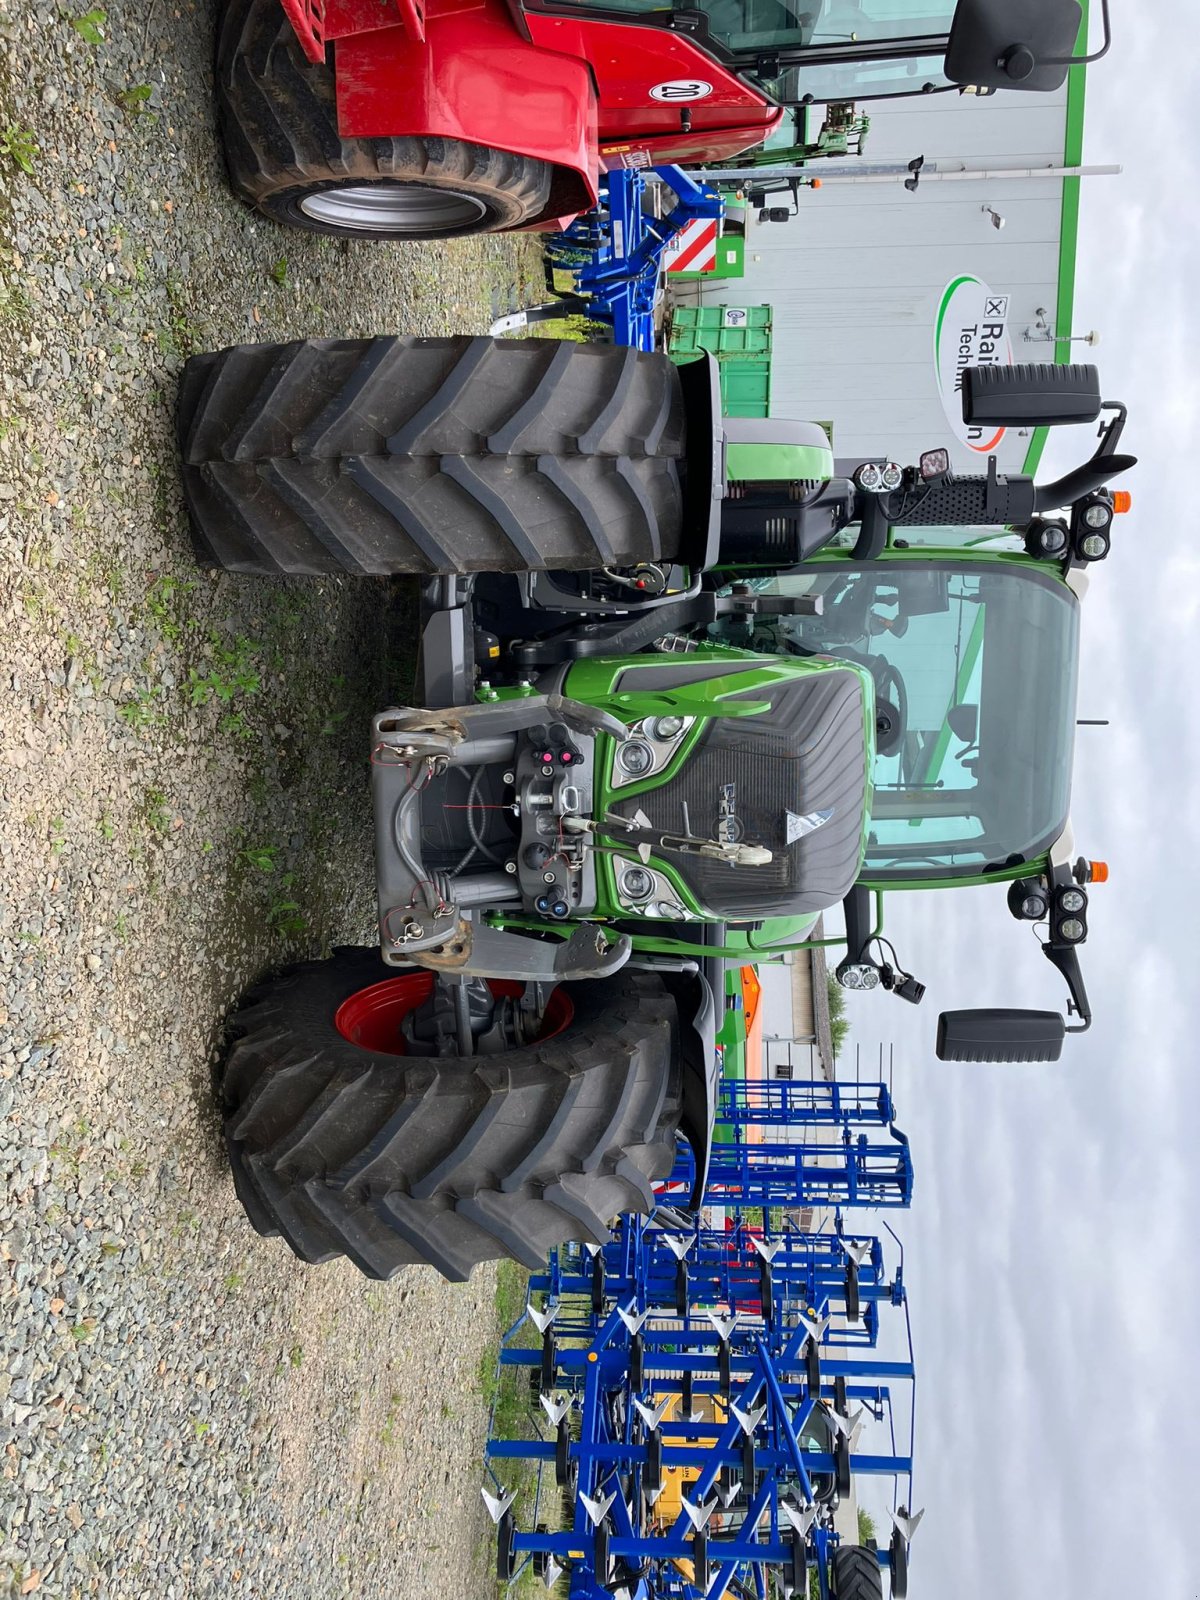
<point x="696" y="1002"/>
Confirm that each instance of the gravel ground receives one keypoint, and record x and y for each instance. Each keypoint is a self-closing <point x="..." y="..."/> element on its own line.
<point x="183" y="803"/>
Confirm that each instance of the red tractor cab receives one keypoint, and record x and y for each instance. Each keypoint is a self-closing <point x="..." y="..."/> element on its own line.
<point x="416" y="119"/>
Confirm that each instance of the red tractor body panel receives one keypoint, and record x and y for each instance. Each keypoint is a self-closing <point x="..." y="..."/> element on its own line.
<point x="474" y="78"/>
<point x="572" y="91"/>
<point x="629" y="62"/>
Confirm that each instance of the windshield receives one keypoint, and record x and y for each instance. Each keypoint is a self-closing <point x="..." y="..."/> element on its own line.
<point x="978" y="664"/>
<point x="818" y="28"/>
<point x="856" y="80"/>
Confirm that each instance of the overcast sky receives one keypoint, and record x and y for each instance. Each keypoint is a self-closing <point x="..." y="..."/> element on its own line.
<point x="1053" y="1257"/>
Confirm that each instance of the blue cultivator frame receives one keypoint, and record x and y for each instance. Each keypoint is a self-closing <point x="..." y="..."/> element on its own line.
<point x="615" y="255"/>
<point x="698" y="1391"/>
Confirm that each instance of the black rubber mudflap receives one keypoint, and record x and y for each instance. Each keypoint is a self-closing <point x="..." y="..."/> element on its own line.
<point x="408" y="455"/>
<point x="278" y="121"/>
<point x="390" y="1160"/>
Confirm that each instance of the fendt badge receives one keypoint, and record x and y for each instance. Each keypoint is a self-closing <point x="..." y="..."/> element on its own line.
<point x="729" y="825"/>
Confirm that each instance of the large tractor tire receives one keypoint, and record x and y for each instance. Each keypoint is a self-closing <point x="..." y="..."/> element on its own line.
<point x="408" y="455"/>
<point x="278" y="121"/>
<point x="346" y="1148"/>
<point x="857" y="1574"/>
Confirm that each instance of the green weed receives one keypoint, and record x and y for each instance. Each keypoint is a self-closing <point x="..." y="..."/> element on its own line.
<point x="20" y="146"/>
<point x="90" y="26"/>
<point x="144" y="710"/>
<point x="156" y="812"/>
<point x="136" y="100"/>
<point x="264" y="857"/>
<point x="232" y="673"/>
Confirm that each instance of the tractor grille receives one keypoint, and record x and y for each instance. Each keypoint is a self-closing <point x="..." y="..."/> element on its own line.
<point x="807" y="754"/>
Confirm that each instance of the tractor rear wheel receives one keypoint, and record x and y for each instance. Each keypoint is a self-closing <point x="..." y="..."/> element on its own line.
<point x="278" y="120"/>
<point x="344" y="1146"/>
<point x="410" y="455"/>
<point x="857" y="1574"/>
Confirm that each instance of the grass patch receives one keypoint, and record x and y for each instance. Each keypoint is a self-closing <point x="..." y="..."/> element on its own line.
<point x="839" y="1022"/>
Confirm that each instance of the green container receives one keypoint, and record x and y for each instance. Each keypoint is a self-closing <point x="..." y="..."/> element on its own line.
<point x="740" y="337"/>
<point x="726" y="331"/>
<point x="746" y="388"/>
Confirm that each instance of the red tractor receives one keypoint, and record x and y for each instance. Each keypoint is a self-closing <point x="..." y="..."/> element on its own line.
<point x="424" y="119"/>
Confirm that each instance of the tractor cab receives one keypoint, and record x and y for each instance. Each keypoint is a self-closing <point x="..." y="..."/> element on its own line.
<point x="975" y="666"/>
<point x="800" y="52"/>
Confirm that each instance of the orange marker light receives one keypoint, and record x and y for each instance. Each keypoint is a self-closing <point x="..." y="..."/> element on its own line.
<point x="816" y="183"/>
<point x="1122" y="500"/>
<point x="1099" y="871"/>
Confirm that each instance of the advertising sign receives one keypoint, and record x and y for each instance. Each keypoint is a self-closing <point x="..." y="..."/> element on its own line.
<point x="971" y="330"/>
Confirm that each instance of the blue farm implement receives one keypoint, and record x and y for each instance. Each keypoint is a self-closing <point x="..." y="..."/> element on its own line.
<point x="698" y="1389"/>
<point x="615" y="255"/>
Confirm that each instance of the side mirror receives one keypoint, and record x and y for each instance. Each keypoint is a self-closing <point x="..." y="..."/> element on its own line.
<point x="963" y="720"/>
<point x="1000" y="1035"/>
<point x="1030" y="395"/>
<point x="1013" y="44"/>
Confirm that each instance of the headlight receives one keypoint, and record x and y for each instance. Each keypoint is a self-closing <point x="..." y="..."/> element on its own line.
<point x="1071" y="929"/>
<point x="1028" y="900"/>
<point x="1098" y="515"/>
<point x="635" y="757"/>
<point x="892" y="476"/>
<point x="637" y="883"/>
<point x="665" y="727"/>
<point x="858" y="975"/>
<point x="869" y="477"/>
<point x="1094" y="546"/>
<point x="1072" y="900"/>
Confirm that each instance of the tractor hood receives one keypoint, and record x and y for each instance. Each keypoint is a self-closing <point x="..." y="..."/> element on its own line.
<point x="791" y="779"/>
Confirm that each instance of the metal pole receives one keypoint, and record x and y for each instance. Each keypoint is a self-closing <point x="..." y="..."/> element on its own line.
<point x="931" y="172"/>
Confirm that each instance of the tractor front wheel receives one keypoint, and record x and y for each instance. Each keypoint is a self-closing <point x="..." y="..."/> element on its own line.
<point x="345" y="1145"/>
<point x="402" y="454"/>
<point x="278" y="118"/>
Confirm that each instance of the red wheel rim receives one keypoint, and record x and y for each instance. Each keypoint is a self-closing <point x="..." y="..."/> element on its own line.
<point x="372" y="1018"/>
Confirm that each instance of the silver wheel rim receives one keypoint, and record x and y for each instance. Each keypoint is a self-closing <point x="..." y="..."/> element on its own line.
<point x="393" y="208"/>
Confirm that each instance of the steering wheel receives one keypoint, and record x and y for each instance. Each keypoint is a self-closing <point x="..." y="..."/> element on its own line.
<point x="891" y="707"/>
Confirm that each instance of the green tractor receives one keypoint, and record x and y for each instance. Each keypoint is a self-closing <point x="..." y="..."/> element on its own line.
<point x="684" y="691"/>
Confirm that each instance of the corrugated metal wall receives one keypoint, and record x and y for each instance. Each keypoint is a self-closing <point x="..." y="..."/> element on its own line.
<point x="856" y="279"/>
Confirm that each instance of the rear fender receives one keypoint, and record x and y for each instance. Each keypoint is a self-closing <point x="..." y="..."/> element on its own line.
<point x="474" y="78"/>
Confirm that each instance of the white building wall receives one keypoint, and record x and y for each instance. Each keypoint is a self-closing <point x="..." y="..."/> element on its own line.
<point x="856" y="279"/>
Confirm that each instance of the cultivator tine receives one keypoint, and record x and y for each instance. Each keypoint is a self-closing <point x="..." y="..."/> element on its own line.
<point x="851" y="1427"/>
<point x="698" y="1515"/>
<point x="723" y="1325"/>
<point x="815" y="1328"/>
<point x="906" y="1521"/>
<point x="768" y="1249"/>
<point x="498" y="1505"/>
<point x="652" y="1416"/>
<point x="748" y="1421"/>
<point x="633" y="1320"/>
<point x="556" y="1410"/>
<point x="859" y="1252"/>
<point x="598" y="1508"/>
<point x="551" y="1572"/>
<point x="541" y="1319"/>
<point x="678" y="1244"/>
<point x="728" y="1496"/>
<point x="682" y="1295"/>
<point x="801" y="1518"/>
